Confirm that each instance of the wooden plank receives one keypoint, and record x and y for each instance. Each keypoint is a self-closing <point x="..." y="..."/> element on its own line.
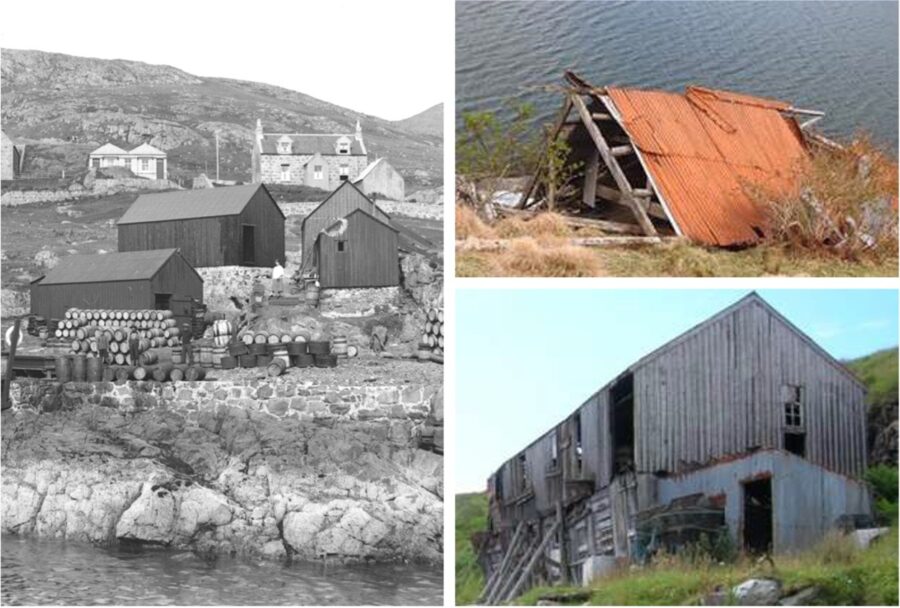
<point x="621" y="150"/>
<point x="589" y="194"/>
<point x="581" y="222"/>
<point x="501" y="571"/>
<point x="601" y="116"/>
<point x="531" y="564"/>
<point x="613" y="165"/>
<point x="472" y="244"/>
<point x="532" y="182"/>
<point x="507" y="585"/>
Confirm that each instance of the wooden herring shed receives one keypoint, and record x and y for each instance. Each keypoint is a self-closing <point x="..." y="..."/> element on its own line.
<point x="161" y="279"/>
<point x="743" y="418"/>
<point x="358" y="250"/>
<point x="228" y="226"/>
<point x="659" y="163"/>
<point x="366" y="252"/>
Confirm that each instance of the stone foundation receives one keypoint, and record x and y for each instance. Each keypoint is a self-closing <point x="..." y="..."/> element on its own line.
<point x="100" y="187"/>
<point x="336" y="303"/>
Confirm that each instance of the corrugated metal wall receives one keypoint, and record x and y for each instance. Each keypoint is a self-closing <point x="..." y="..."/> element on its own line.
<point x="370" y="257"/>
<point x="341" y="202"/>
<point x="806" y="499"/>
<point x="718" y="391"/>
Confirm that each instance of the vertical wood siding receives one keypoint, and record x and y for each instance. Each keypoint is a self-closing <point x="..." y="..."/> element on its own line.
<point x="370" y="257"/>
<point x="340" y="203"/>
<point x="262" y="211"/>
<point x="719" y="392"/>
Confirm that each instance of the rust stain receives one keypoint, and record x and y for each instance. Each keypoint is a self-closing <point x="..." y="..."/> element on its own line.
<point x="705" y="147"/>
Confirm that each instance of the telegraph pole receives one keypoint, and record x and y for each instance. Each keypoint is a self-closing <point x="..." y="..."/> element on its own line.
<point x="217" y="155"/>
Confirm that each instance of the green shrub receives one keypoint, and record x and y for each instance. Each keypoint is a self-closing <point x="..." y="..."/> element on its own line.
<point x="883" y="480"/>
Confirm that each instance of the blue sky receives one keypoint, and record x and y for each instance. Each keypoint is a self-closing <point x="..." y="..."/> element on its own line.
<point x="525" y="358"/>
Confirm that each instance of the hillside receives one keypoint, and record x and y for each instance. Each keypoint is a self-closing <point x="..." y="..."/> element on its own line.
<point x="63" y="106"/>
<point x="879" y="373"/>
<point x="471" y="518"/>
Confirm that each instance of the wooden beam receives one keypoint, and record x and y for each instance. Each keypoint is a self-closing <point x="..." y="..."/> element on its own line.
<point x="601" y="116"/>
<point x="613" y="165"/>
<point x="472" y="244"/>
<point x="499" y="574"/>
<point x="621" y="150"/>
<point x="531" y="563"/>
<point x="579" y="222"/>
<point x="589" y="193"/>
<point x="532" y="182"/>
<point x="614" y="196"/>
<point x="507" y="585"/>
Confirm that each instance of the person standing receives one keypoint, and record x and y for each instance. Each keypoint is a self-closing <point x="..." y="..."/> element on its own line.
<point x="187" y="348"/>
<point x="103" y="347"/>
<point x="278" y="279"/>
<point x="134" y="347"/>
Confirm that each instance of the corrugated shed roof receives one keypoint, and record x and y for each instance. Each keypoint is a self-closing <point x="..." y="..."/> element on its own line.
<point x="146" y="149"/>
<point x="303" y="144"/>
<point x="703" y="148"/>
<point x="101" y="268"/>
<point x="108" y="149"/>
<point x="189" y="204"/>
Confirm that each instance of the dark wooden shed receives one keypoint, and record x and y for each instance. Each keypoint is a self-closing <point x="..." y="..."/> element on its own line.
<point x="161" y="279"/>
<point x="345" y="199"/>
<point x="231" y="226"/>
<point x="359" y="250"/>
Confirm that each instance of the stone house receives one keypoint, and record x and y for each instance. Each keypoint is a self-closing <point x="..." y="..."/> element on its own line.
<point x="144" y="161"/>
<point x="12" y="158"/>
<point x="309" y="159"/>
<point x="381" y="180"/>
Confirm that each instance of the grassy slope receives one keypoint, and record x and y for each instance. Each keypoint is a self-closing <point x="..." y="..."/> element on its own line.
<point x="879" y="372"/>
<point x="471" y="516"/>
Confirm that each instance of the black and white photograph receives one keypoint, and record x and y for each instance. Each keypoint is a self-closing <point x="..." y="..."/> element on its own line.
<point x="223" y="309"/>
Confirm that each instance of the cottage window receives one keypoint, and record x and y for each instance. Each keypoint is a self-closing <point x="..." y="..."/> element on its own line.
<point x="345" y="173"/>
<point x="145" y="164"/>
<point x="285" y="173"/>
<point x="317" y="172"/>
<point x="284" y="145"/>
<point x="343" y="146"/>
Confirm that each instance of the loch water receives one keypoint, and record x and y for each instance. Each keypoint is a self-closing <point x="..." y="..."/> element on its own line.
<point x="839" y="57"/>
<point x="41" y="572"/>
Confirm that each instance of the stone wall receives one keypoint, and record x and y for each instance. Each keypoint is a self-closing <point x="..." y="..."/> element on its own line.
<point x="334" y="303"/>
<point x="222" y="282"/>
<point x="270" y="166"/>
<point x="401" y="208"/>
<point x="304" y="401"/>
<point x="99" y="187"/>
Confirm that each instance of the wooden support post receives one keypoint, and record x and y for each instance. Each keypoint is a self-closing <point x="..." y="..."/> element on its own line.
<point x="563" y="544"/>
<point x="532" y="182"/>
<point x="517" y="587"/>
<point x="502" y="592"/>
<point x="498" y="574"/>
<point x="590" y="179"/>
<point x="613" y="164"/>
<point x="14" y="342"/>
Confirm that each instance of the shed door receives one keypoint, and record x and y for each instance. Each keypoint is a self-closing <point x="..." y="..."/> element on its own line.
<point x="249" y="244"/>
<point x="159" y="168"/>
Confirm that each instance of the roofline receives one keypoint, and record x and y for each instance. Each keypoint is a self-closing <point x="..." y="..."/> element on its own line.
<point x="173" y="251"/>
<point x="203" y="217"/>
<point x="177" y="250"/>
<point x="366" y="213"/>
<point x="328" y="198"/>
<point x="272" y="198"/>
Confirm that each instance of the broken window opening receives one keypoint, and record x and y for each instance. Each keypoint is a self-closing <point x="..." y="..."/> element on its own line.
<point x="795" y="443"/>
<point x="498" y="485"/>
<point x="554" y="451"/>
<point x="579" y="450"/>
<point x="522" y="473"/>
<point x="621" y="397"/>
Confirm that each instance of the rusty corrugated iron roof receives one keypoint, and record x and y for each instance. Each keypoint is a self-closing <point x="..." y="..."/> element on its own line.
<point x="704" y="147"/>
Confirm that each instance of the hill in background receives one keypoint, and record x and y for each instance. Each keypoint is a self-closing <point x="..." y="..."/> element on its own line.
<point x="63" y="106"/>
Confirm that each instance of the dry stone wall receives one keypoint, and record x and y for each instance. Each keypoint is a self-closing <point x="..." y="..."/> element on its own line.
<point x="401" y="208"/>
<point x="99" y="187"/>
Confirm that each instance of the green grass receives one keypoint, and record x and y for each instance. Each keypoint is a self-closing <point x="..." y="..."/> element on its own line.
<point x="879" y="373"/>
<point x="471" y="517"/>
<point x="845" y="575"/>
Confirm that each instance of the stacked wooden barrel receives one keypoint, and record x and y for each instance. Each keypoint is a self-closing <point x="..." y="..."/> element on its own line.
<point x="431" y="345"/>
<point x="81" y="328"/>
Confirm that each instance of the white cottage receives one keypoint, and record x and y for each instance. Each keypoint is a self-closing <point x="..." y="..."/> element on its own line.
<point x="144" y="161"/>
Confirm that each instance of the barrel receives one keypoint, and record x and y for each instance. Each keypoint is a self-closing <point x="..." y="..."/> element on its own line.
<point x="339" y="346"/>
<point x="94" y="369"/>
<point x="176" y="355"/>
<point x="222" y="328"/>
<point x="263" y="360"/>
<point x="304" y="360"/>
<point x="194" y="372"/>
<point x="325" y="360"/>
<point x="285" y="338"/>
<point x="109" y="373"/>
<point x="123" y="373"/>
<point x="248" y="337"/>
<point x="274" y="338"/>
<point x="276" y="367"/>
<point x="42" y="334"/>
<point x="217" y="353"/>
<point x="79" y="368"/>
<point x="261" y="337"/>
<point x="140" y="372"/>
<point x="258" y="349"/>
<point x="63" y="369"/>
<point x="312" y="294"/>
<point x="206" y="359"/>
<point x="228" y="362"/>
<point x="318" y="347"/>
<point x="120" y="359"/>
<point x="281" y="353"/>
<point x="161" y="373"/>
<point x="237" y="348"/>
<point x="247" y="360"/>
<point x="148" y="358"/>
<point x="352" y="351"/>
<point x="296" y="348"/>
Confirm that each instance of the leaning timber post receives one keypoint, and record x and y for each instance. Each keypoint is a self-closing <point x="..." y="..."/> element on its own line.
<point x="532" y="181"/>
<point x="503" y="592"/>
<point x="589" y="192"/>
<point x="517" y="588"/>
<point x="613" y="164"/>
<point x="13" y="342"/>
<point x="497" y="575"/>
<point x="563" y="544"/>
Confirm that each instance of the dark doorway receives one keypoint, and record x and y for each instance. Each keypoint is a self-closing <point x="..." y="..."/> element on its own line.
<point x="621" y="399"/>
<point x="758" y="516"/>
<point x="795" y="443"/>
<point x="249" y="244"/>
<point x="163" y="301"/>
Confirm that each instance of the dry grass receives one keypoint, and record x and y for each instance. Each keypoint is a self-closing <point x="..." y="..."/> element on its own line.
<point x="845" y="204"/>
<point x="469" y="225"/>
<point x="545" y="258"/>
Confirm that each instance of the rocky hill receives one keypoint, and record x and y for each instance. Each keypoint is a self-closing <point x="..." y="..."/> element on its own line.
<point x="63" y="106"/>
<point x="879" y="373"/>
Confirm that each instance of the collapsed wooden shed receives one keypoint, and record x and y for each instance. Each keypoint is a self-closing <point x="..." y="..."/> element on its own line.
<point x="661" y="163"/>
<point x="160" y="279"/>
<point x="744" y="411"/>
<point x="229" y="226"/>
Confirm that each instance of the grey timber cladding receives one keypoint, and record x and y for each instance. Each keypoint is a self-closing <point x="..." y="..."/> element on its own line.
<point x="103" y="286"/>
<point x="365" y="255"/>
<point x="340" y="203"/>
<point x="207" y="225"/>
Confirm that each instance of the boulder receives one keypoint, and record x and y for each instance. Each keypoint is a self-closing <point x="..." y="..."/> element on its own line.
<point x="151" y="518"/>
<point x="757" y="592"/>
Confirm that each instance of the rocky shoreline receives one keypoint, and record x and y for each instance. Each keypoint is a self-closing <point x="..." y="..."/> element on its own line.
<point x="222" y="479"/>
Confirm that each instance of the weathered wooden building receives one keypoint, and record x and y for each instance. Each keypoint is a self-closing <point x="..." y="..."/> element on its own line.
<point x="366" y="239"/>
<point x="161" y="279"/>
<point x="743" y="424"/>
<point x="229" y="226"/>
<point x="358" y="250"/>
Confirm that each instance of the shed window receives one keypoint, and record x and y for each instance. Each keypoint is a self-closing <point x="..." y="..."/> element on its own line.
<point x="317" y="172"/>
<point x="340" y="245"/>
<point x="793" y="406"/>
